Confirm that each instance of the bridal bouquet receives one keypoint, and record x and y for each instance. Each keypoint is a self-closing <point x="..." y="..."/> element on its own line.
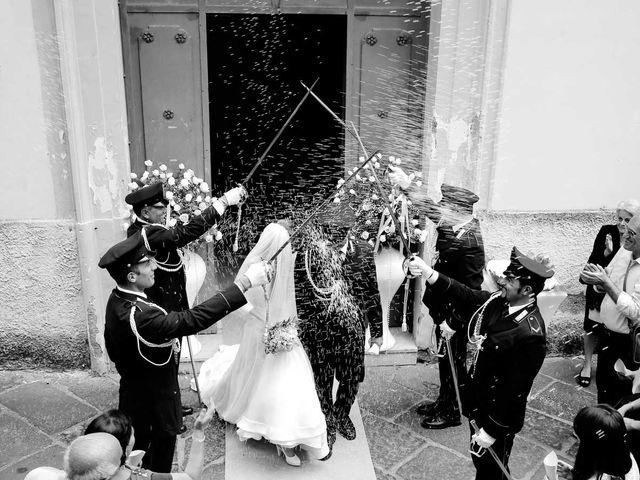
<point x="372" y="210"/>
<point x="187" y="194"/>
<point x="281" y="337"/>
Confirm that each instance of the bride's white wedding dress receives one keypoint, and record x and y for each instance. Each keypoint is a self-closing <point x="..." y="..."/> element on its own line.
<point x="267" y="396"/>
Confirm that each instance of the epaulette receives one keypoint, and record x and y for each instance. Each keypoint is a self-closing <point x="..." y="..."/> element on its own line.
<point x="534" y="324"/>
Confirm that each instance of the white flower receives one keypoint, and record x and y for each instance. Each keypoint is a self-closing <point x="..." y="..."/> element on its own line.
<point x="181" y="166"/>
<point x="188" y="174"/>
<point x="171" y="181"/>
<point x="340" y="182"/>
<point x="352" y="191"/>
<point x="133" y="175"/>
<point x="163" y="175"/>
<point x="349" y="172"/>
<point x="188" y="197"/>
<point x="197" y="212"/>
<point x="133" y="186"/>
<point x="376" y="164"/>
<point x="374" y="197"/>
<point x="415" y="222"/>
<point x="144" y="176"/>
<point x="371" y="243"/>
<point x="398" y="161"/>
<point x="202" y="205"/>
<point x="364" y="235"/>
<point x="379" y="156"/>
<point x="148" y="163"/>
<point x="184" y="182"/>
<point x="419" y="183"/>
<point x="197" y="180"/>
<point x="372" y="179"/>
<point x="163" y="167"/>
<point x="409" y="202"/>
<point x="168" y="195"/>
<point x="198" y="198"/>
<point x="361" y="159"/>
<point x="392" y="159"/>
<point x="412" y="176"/>
<point x="218" y="235"/>
<point x="177" y="207"/>
<point x="336" y="200"/>
<point x="156" y="173"/>
<point x="383" y="238"/>
<point x="169" y="174"/>
<point x="204" y="187"/>
<point x="368" y="222"/>
<point x="207" y="198"/>
<point x="208" y="238"/>
<point x="184" y="218"/>
<point x="417" y="232"/>
<point x="172" y="222"/>
<point x="358" y="177"/>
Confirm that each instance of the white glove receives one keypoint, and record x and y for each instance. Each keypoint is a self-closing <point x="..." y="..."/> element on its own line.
<point x="446" y="331"/>
<point x="398" y="177"/>
<point x="259" y="273"/>
<point x="418" y="267"/>
<point x="482" y="439"/>
<point x="235" y="195"/>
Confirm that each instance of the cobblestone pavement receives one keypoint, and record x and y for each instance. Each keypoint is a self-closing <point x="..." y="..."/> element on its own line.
<point x="41" y="411"/>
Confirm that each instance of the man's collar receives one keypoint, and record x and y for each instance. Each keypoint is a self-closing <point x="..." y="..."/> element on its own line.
<point x="517" y="308"/>
<point x="131" y="292"/>
<point x="460" y="225"/>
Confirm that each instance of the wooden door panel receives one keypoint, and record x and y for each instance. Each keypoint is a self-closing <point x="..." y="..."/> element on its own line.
<point x="166" y="88"/>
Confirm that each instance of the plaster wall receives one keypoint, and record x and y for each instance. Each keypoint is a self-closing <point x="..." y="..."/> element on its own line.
<point x="569" y="131"/>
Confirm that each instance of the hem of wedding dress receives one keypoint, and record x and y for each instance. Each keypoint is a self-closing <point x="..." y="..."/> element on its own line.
<point x="316" y="445"/>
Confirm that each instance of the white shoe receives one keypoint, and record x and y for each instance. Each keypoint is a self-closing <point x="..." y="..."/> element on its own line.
<point x="292" y="460"/>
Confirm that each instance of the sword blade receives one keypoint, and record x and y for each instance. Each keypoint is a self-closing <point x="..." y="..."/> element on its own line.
<point x="454" y="375"/>
<point x="193" y="369"/>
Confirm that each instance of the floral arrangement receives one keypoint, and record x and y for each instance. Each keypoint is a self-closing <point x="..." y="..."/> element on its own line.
<point x="281" y="337"/>
<point x="187" y="194"/>
<point x="363" y="196"/>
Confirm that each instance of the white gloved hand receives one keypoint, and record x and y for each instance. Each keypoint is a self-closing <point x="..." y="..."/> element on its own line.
<point x="418" y="267"/>
<point x="259" y="273"/>
<point x="446" y="331"/>
<point x="398" y="177"/>
<point x="482" y="439"/>
<point x="235" y="195"/>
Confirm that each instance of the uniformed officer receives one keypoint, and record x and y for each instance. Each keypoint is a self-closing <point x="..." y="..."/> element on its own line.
<point x="510" y="337"/>
<point x="149" y="205"/>
<point x="461" y="257"/>
<point x="141" y="340"/>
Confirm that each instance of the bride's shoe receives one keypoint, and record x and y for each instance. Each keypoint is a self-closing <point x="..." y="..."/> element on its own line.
<point x="292" y="460"/>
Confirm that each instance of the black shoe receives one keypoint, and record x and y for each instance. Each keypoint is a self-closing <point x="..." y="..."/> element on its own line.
<point x="440" y="421"/>
<point x="183" y="429"/>
<point x="428" y="408"/>
<point x="346" y="429"/>
<point x="187" y="411"/>
<point x="331" y="439"/>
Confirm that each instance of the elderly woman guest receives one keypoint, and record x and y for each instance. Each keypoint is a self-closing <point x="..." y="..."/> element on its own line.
<point x="605" y="246"/>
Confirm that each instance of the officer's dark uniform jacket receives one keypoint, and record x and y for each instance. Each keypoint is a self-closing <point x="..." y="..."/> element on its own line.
<point x="169" y="289"/>
<point x="147" y="362"/>
<point x="509" y="359"/>
<point x="461" y="256"/>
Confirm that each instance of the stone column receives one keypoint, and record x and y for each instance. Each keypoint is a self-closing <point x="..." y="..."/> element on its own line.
<point x="92" y="77"/>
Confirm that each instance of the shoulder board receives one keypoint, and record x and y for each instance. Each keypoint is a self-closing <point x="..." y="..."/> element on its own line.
<point x="535" y="325"/>
<point x="147" y="304"/>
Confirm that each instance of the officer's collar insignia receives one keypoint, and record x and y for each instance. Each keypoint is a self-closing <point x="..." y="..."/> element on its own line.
<point x="521" y="315"/>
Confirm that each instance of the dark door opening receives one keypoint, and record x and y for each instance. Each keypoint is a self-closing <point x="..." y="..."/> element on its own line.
<point x="255" y="66"/>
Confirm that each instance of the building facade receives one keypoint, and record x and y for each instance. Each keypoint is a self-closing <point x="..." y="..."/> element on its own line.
<point x="530" y="104"/>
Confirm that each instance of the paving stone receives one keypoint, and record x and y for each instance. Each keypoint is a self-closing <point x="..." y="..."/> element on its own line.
<point x="436" y="463"/>
<point x="525" y="457"/>
<point x="562" y="400"/>
<point x="548" y="431"/>
<point x="385" y="398"/>
<point x="18" y="439"/>
<point x="380" y="475"/>
<point x="101" y="392"/>
<point x="10" y="379"/>
<point x="566" y="370"/>
<point x="214" y="472"/>
<point x="215" y="434"/>
<point x="456" y="438"/>
<point x="49" y="457"/>
<point x="540" y="383"/>
<point x="421" y="378"/>
<point x="389" y="444"/>
<point x="47" y="407"/>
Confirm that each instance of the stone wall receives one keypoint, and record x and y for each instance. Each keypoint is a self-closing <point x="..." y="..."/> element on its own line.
<point x="41" y="316"/>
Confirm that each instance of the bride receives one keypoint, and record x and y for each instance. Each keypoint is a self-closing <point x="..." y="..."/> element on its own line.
<point x="271" y="396"/>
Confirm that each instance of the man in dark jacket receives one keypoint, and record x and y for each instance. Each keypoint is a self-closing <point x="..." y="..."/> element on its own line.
<point x="509" y="334"/>
<point x="142" y="341"/>
<point x="461" y="257"/>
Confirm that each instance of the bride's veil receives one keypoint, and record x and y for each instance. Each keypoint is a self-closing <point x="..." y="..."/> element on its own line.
<point x="282" y="304"/>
